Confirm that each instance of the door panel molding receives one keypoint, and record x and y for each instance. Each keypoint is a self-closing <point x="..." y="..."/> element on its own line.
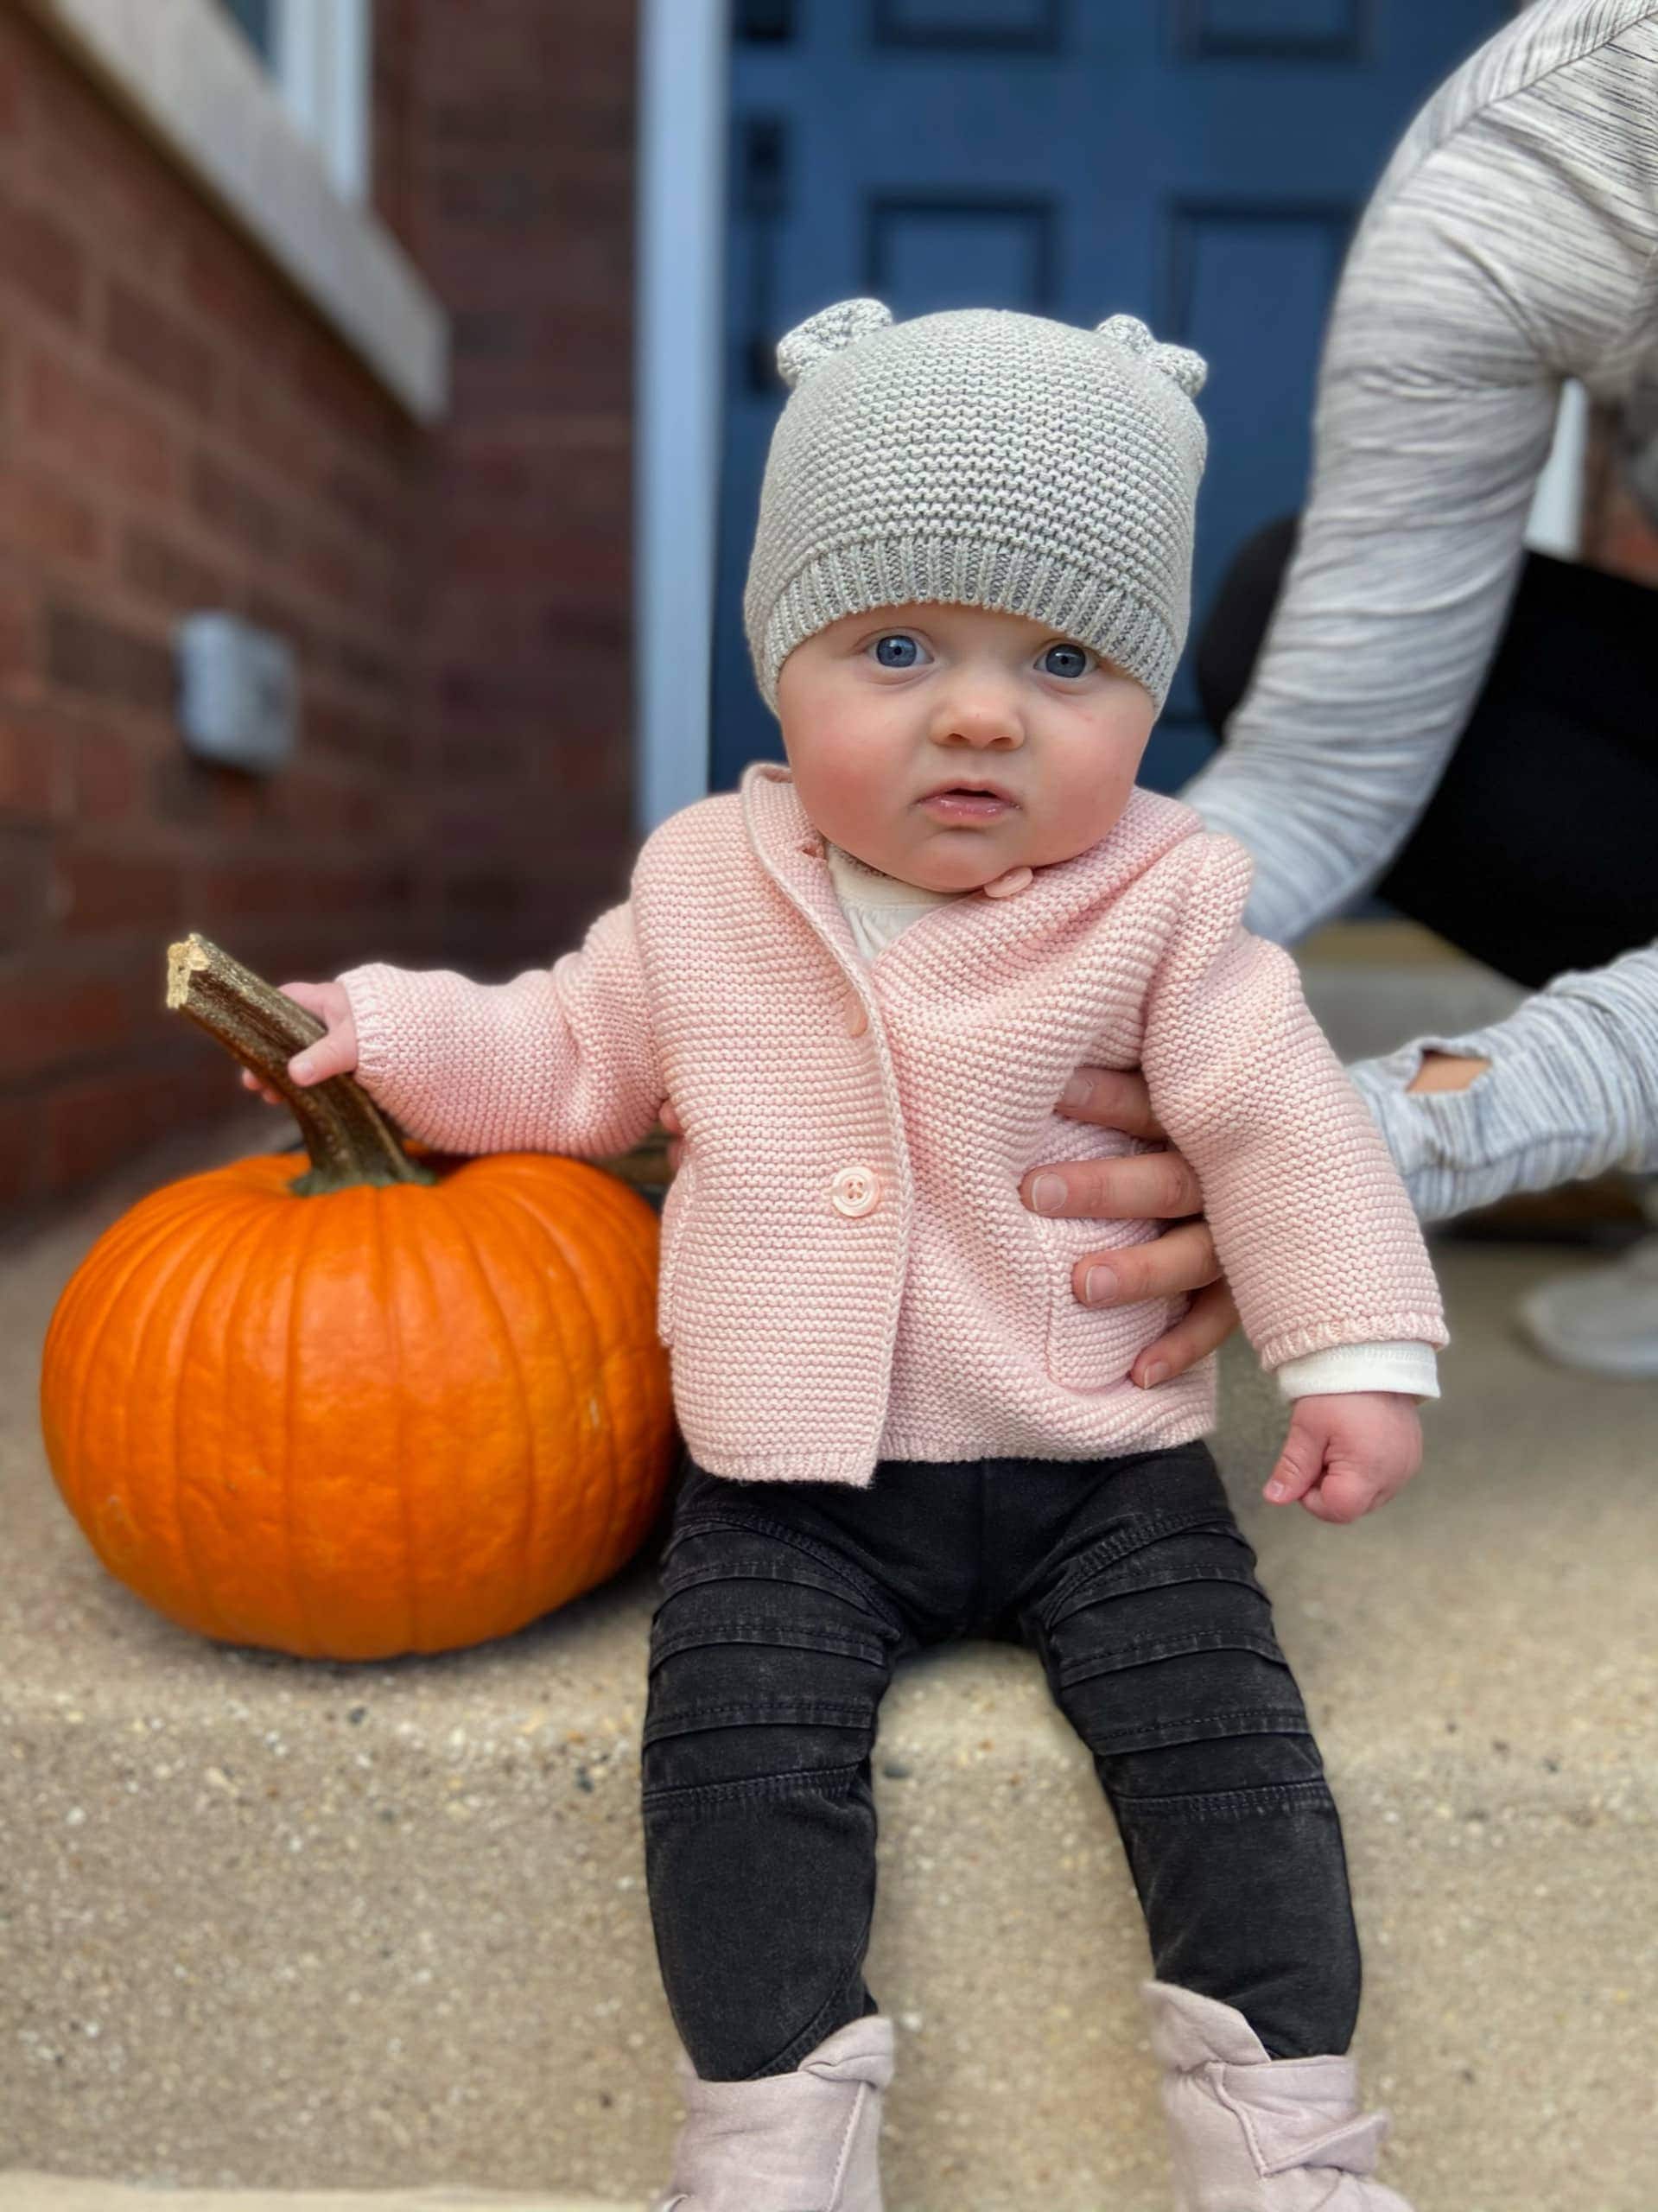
<point x="969" y="26"/>
<point x="1024" y="225"/>
<point x="1272" y="30"/>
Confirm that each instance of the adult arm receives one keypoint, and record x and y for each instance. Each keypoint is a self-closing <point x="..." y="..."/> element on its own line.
<point x="1569" y="1088"/>
<point x="1512" y="243"/>
<point x="1160" y="1186"/>
<point x="1509" y="244"/>
<point x="1566" y="1087"/>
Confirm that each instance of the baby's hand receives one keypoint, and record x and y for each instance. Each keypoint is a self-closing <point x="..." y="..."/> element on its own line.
<point x="330" y="1055"/>
<point x="1347" y="1452"/>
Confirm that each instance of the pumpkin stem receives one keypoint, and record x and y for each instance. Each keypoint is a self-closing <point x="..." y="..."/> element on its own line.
<point x="349" y="1140"/>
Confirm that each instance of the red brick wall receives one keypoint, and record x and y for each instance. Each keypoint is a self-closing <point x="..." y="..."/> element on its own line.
<point x="519" y="204"/>
<point x="177" y="430"/>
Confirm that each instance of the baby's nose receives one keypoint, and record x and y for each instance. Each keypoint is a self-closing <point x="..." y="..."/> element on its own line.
<point x="983" y="723"/>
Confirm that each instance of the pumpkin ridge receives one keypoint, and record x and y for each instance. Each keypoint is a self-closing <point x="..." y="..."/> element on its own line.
<point x="251" y="1243"/>
<point x="72" y="1300"/>
<point x="257" y="1251"/>
<point x="575" y="1275"/>
<point x="618" y="1206"/>
<point x="386" y="1300"/>
<point x="120" y="1261"/>
<point x="83" y="1343"/>
<point x="634" y="1248"/>
<point x="174" y="1267"/>
<point x="627" y="1230"/>
<point x="573" y="1289"/>
<point x="76" y="1297"/>
<point x="618" y="1200"/>
<point x="481" y="1196"/>
<point x="309" y="1228"/>
<point x="461" y="1235"/>
<point x="117" y="1244"/>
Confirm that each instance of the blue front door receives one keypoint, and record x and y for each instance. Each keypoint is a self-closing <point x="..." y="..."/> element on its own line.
<point x="1197" y="162"/>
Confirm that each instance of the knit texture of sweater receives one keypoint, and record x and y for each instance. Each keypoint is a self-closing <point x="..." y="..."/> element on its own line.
<point x="879" y="907"/>
<point x="854" y="1134"/>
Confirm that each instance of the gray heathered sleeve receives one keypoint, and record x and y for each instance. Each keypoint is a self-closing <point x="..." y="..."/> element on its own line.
<point x="1571" y="1090"/>
<point x="1513" y="242"/>
<point x="1510" y="245"/>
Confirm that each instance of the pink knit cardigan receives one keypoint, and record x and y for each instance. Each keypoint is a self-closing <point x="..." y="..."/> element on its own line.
<point x="848" y="1271"/>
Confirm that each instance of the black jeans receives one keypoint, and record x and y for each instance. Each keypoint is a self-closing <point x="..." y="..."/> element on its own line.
<point x="1534" y="853"/>
<point x="783" y="1609"/>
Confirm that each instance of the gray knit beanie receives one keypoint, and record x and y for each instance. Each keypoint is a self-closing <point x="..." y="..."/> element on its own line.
<point x="987" y="458"/>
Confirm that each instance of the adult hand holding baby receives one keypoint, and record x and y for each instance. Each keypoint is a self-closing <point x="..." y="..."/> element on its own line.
<point x="1160" y="1186"/>
<point x="1140" y="1187"/>
<point x="333" y="1054"/>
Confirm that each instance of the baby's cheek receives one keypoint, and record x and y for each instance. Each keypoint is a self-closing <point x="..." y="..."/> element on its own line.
<point x="851" y="801"/>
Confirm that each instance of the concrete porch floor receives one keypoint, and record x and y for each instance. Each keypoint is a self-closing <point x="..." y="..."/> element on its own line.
<point x="290" y="1927"/>
<point x="35" y="2192"/>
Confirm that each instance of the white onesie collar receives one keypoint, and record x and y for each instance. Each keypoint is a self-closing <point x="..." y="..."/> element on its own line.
<point x="857" y="884"/>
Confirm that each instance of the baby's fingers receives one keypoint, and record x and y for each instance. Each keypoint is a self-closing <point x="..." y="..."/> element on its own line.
<point x="334" y="1054"/>
<point x="1299" y="1466"/>
<point x="1342" y="1496"/>
<point x="251" y="1082"/>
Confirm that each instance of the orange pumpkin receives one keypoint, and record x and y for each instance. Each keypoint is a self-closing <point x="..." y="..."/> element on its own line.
<point x="404" y="1402"/>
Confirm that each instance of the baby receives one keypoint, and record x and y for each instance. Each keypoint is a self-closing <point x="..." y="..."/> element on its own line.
<point x="859" y="984"/>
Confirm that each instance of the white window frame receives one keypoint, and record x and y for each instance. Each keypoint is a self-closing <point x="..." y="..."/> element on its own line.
<point x="321" y="62"/>
<point x="282" y="155"/>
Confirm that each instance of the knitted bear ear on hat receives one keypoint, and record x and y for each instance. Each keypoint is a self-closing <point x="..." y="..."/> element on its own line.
<point x="828" y="332"/>
<point x="1178" y="363"/>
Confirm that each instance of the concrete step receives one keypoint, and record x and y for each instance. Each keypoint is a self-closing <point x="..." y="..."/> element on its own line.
<point x="1372" y="986"/>
<point x="38" y="2192"/>
<point x="292" y="1926"/>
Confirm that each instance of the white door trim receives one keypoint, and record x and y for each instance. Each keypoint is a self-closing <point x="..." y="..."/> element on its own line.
<point x="1555" y="525"/>
<point x="679" y="352"/>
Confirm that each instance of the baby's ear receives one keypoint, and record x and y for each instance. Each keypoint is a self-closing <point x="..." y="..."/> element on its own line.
<point x="1178" y="363"/>
<point x="828" y="332"/>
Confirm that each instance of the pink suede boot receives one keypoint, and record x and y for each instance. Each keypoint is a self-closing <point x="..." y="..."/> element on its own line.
<point x="799" y="2142"/>
<point x="1252" y="2134"/>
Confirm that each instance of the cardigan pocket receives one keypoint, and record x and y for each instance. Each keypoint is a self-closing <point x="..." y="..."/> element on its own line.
<point x="675" y="1208"/>
<point x="1092" y="1347"/>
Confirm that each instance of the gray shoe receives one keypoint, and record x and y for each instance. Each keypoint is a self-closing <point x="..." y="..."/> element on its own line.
<point x="799" y="2142"/>
<point x="1604" y="1320"/>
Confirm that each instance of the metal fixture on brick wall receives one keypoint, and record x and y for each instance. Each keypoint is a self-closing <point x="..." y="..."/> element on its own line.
<point x="238" y="692"/>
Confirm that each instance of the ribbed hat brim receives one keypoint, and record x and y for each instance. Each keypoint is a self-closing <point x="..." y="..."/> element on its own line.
<point x="967" y="571"/>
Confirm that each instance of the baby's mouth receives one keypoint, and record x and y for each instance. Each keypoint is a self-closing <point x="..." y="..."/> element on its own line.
<point x="969" y="803"/>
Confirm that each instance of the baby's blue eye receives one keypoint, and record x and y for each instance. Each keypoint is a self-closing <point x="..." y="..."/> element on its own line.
<point x="1066" y="660"/>
<point x="897" y="650"/>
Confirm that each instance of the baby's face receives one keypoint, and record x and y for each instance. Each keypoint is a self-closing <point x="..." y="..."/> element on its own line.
<point x="945" y="745"/>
